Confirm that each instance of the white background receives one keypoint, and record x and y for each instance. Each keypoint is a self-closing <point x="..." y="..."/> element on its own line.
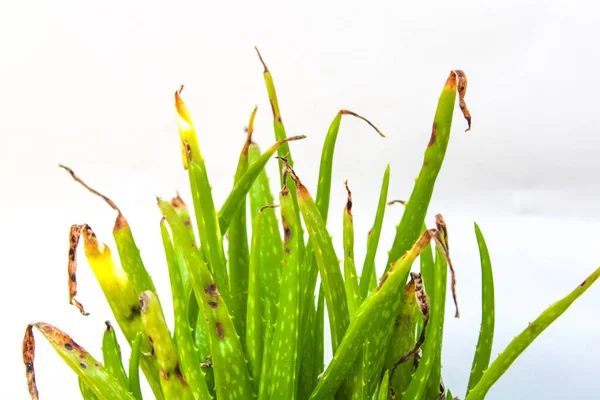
<point x="90" y="84"/>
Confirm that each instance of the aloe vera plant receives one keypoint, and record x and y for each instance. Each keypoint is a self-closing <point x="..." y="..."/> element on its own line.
<point x="248" y="313"/>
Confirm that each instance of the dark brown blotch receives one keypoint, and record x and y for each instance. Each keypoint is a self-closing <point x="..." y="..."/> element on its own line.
<point x="287" y="250"/>
<point x="73" y="277"/>
<point x="433" y="135"/>
<point x="83" y="365"/>
<point x="134" y="312"/>
<point x="220" y="332"/>
<point x="213" y="304"/>
<point x="212" y="290"/>
<point x="68" y="346"/>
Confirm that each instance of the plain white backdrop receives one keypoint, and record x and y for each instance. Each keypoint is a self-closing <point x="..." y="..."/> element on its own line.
<point x="90" y="84"/>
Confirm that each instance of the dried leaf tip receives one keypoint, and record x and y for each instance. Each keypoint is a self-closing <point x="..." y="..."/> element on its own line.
<point x="349" y="201"/>
<point x="391" y="203"/>
<point x="441" y="239"/>
<point x="458" y="80"/>
<point x="94" y="191"/>
<point x="261" y="59"/>
<point x="249" y="131"/>
<point x="267" y="207"/>
<point x="287" y="169"/>
<point x="348" y="112"/>
<point x="74" y="235"/>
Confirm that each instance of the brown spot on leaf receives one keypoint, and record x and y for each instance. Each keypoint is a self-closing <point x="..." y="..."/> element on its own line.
<point x="383" y="279"/>
<point x="433" y="135"/>
<point x="220" y="333"/>
<point x="187" y="222"/>
<point x="213" y="304"/>
<point x="83" y="365"/>
<point x="212" y="290"/>
<point x="583" y="283"/>
<point x="349" y="201"/>
<point x="164" y="375"/>
<point x="180" y="375"/>
<point x="287" y="250"/>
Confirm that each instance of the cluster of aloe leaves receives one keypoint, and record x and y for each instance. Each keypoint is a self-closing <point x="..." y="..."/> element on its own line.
<point x="248" y="313"/>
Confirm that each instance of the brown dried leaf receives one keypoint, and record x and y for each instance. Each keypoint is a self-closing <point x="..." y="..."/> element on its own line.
<point x="74" y="235"/>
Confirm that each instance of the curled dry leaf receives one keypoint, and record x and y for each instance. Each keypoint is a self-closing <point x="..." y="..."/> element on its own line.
<point x="443" y="243"/>
<point x="74" y="235"/>
<point x="458" y="78"/>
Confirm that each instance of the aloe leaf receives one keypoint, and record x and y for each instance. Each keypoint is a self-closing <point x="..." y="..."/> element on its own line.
<point x="187" y="354"/>
<point x="350" y="276"/>
<point x="284" y="357"/>
<point x="86" y="392"/>
<point x="92" y="373"/>
<point x="438" y="301"/>
<point x="232" y="379"/>
<point x="204" y="207"/>
<point x="182" y="211"/>
<point x="263" y="391"/>
<point x="122" y="299"/>
<point x="254" y="324"/>
<point x="377" y="304"/>
<point x="403" y="339"/>
<point x="307" y="378"/>
<point x="237" y="250"/>
<point x="368" y="268"/>
<point x="111" y="353"/>
<point x="202" y="194"/>
<point x="327" y="261"/>
<point x="384" y="392"/>
<point x="483" y="351"/>
<point x="271" y="245"/>
<point x="134" y="367"/>
<point x="242" y="187"/>
<point x="410" y="226"/>
<point x="419" y="381"/>
<point x="319" y="361"/>
<point x="322" y="198"/>
<point x="525" y="338"/>
<point x="172" y="381"/>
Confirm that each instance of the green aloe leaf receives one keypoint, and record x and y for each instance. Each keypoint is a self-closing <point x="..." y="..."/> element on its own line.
<point x="254" y="325"/>
<point x="409" y="228"/>
<point x="237" y="250"/>
<point x="86" y="392"/>
<point x="92" y="373"/>
<point x="111" y="353"/>
<point x="378" y="303"/>
<point x="368" y="268"/>
<point x="232" y="379"/>
<point x="384" y="392"/>
<point x="271" y="245"/>
<point x="134" y="367"/>
<point x="327" y="261"/>
<point x="525" y="338"/>
<point x="350" y="276"/>
<point x="187" y="354"/>
<point x="284" y="357"/>
<point x="403" y="339"/>
<point x="263" y="391"/>
<point x="483" y="351"/>
<point x="433" y="339"/>
<point x="172" y="381"/>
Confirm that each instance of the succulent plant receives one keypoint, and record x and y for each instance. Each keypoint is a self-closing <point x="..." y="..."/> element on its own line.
<point x="248" y="313"/>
